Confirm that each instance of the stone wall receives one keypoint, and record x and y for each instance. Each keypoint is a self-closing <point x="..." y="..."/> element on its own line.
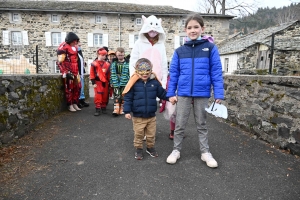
<point x="26" y="101"/>
<point x="287" y="63"/>
<point x="38" y="23"/>
<point x="267" y="106"/>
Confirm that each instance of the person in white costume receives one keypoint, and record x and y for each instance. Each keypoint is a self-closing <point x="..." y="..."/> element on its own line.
<point x="151" y="45"/>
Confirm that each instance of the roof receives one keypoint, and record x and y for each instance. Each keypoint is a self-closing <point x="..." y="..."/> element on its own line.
<point x="95" y="7"/>
<point x="262" y="37"/>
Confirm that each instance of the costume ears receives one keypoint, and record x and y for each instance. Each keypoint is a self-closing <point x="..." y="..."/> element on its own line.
<point x="144" y="18"/>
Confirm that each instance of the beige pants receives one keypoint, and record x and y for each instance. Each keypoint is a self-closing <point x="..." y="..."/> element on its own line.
<point x="144" y="127"/>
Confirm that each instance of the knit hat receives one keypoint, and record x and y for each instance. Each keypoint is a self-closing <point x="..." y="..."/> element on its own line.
<point x="102" y="52"/>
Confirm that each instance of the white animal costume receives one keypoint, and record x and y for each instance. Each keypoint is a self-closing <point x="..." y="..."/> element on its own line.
<point x="156" y="53"/>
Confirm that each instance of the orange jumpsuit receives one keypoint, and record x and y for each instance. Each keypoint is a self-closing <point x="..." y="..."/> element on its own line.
<point x="100" y="75"/>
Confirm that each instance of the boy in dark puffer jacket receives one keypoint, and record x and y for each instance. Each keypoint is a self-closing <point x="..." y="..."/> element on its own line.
<point x="140" y="98"/>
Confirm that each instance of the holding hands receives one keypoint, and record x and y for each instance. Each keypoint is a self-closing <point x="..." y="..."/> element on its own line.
<point x="173" y="100"/>
<point x="128" y="116"/>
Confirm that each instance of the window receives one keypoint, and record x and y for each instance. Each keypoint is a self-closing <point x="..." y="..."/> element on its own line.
<point x="98" y="40"/>
<point x="54" y="18"/>
<point x="16" y="38"/>
<point x="98" y="19"/>
<point x="138" y="21"/>
<point x="261" y="58"/>
<point x="56" y="39"/>
<point x="15" y="17"/>
<point x="56" y="68"/>
<point x="136" y="37"/>
<point x="183" y="22"/>
<point x="226" y="64"/>
<point x="132" y="39"/>
<point x="182" y="40"/>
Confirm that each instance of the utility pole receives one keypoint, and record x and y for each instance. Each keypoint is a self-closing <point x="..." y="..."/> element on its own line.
<point x="272" y="52"/>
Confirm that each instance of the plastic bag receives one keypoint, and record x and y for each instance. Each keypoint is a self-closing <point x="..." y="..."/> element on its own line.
<point x="170" y="112"/>
<point x="218" y="110"/>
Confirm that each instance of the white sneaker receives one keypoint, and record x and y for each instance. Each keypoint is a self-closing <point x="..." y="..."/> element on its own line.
<point x="173" y="157"/>
<point x="71" y="108"/>
<point x="76" y="107"/>
<point x="210" y="161"/>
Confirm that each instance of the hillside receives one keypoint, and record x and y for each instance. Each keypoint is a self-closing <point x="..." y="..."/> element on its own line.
<point x="264" y="18"/>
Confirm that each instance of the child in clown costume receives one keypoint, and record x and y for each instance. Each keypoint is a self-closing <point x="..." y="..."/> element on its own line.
<point x="100" y="75"/>
<point x="150" y="45"/>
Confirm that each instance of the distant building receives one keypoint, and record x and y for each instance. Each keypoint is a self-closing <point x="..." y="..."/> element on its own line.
<point x="253" y="51"/>
<point x="26" y="24"/>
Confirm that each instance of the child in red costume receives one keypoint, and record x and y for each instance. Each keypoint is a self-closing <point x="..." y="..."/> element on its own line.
<point x="100" y="75"/>
<point x="67" y="63"/>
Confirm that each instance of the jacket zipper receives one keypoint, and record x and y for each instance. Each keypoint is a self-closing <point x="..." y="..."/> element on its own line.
<point x="145" y="89"/>
<point x="193" y="57"/>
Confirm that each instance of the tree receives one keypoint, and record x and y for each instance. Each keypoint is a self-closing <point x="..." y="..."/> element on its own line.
<point x="233" y="7"/>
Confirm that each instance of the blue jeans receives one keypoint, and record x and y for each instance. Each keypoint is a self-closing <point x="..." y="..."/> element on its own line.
<point x="81" y="95"/>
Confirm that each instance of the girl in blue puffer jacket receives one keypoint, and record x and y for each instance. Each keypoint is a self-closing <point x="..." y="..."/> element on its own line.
<point x="195" y="69"/>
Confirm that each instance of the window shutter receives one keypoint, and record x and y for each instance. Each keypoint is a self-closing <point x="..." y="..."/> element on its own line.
<point x="105" y="40"/>
<point x="131" y="41"/>
<point x="89" y="65"/>
<point x="5" y="38"/>
<point x="90" y="40"/>
<point x="176" y="42"/>
<point x="63" y="36"/>
<point x="48" y="38"/>
<point x="25" y="37"/>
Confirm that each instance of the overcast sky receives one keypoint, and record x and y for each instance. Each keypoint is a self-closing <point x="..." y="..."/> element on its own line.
<point x="191" y="4"/>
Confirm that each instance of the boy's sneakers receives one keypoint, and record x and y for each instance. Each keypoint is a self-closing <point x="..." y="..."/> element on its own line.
<point x="210" y="161"/>
<point x="152" y="152"/>
<point x="173" y="157"/>
<point x="139" y="154"/>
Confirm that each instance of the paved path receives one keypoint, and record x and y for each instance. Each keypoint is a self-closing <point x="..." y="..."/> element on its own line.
<point x="92" y="158"/>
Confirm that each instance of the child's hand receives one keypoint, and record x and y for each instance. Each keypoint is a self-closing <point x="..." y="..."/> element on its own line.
<point x="95" y="85"/>
<point x="218" y="101"/>
<point x="173" y="100"/>
<point x="128" y="116"/>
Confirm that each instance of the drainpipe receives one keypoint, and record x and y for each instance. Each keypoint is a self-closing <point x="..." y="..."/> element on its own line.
<point x="271" y="54"/>
<point x="119" y="29"/>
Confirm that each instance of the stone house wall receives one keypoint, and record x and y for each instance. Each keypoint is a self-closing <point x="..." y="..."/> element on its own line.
<point x="286" y="53"/>
<point x="38" y="23"/>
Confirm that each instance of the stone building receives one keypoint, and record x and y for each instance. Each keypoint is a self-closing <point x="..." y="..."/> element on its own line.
<point x="253" y="51"/>
<point x="42" y="25"/>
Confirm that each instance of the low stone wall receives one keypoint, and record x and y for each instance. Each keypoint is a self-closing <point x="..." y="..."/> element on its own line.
<point x="28" y="100"/>
<point x="267" y="106"/>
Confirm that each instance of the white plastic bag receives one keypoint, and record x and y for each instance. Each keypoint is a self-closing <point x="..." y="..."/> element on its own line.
<point x="217" y="110"/>
<point x="170" y="111"/>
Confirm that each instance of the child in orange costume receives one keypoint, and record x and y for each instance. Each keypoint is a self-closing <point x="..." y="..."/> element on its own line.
<point x="100" y="75"/>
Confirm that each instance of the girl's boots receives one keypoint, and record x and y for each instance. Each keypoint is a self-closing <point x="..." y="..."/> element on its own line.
<point x="171" y="135"/>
